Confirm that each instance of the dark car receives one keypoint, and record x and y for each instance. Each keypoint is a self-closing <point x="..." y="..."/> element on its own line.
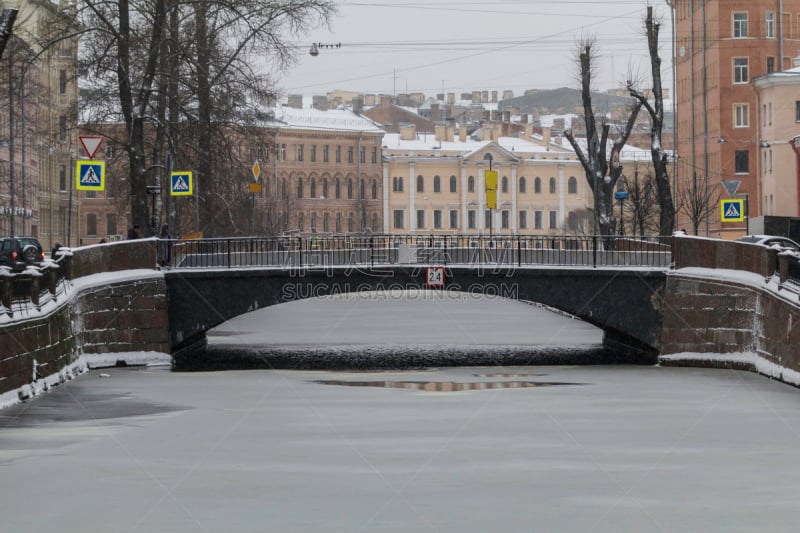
<point x="19" y="252"/>
<point x="771" y="240"/>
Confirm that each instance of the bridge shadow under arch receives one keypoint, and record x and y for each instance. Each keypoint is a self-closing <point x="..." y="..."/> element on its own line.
<point x="625" y="304"/>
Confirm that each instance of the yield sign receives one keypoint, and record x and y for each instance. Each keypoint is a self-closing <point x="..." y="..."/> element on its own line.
<point x="91" y="143"/>
<point x="731" y="186"/>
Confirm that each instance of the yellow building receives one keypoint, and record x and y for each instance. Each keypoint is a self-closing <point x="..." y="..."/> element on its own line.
<point x="436" y="183"/>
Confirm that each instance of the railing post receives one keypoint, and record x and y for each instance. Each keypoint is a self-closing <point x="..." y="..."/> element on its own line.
<point x="299" y="251"/>
<point x="519" y="251"/>
<point x="594" y="251"/>
<point x="372" y="252"/>
<point x="228" y="249"/>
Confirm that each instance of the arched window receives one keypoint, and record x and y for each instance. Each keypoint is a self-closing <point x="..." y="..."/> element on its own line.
<point x="537" y="185"/>
<point x="351" y="223"/>
<point x="283" y="188"/>
<point x="572" y="185"/>
<point x="522" y="185"/>
<point x="437" y="184"/>
<point x="552" y="185"/>
<point x="453" y="184"/>
<point x="338" y="189"/>
<point x="394" y="184"/>
<point x="471" y="184"/>
<point x="338" y="222"/>
<point x="504" y="185"/>
<point x="420" y="184"/>
<point x="362" y="189"/>
<point x="325" y="187"/>
<point x="374" y="189"/>
<point x="349" y="189"/>
<point x="326" y="223"/>
<point x="313" y="188"/>
<point x="313" y="222"/>
<point x="299" y="187"/>
<point x="400" y="184"/>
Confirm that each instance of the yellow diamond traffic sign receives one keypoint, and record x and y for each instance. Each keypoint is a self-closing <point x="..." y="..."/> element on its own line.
<point x="256" y="170"/>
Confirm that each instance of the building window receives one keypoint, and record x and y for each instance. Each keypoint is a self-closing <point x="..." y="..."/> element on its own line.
<point x="299" y="187"/>
<point x="62" y="128"/>
<point x="504" y="218"/>
<point x="437" y="184"/>
<point x="62" y="178"/>
<point x="523" y="219"/>
<point x="553" y="220"/>
<point x="62" y="82"/>
<point x="471" y="216"/>
<point x="740" y="70"/>
<point x="326" y="222"/>
<point x="362" y="189"/>
<point x="453" y="219"/>
<point x="739" y="25"/>
<point x="374" y="157"/>
<point x="351" y="223"/>
<point x="537" y="185"/>
<point x="398" y="217"/>
<point x="338" y="154"/>
<point x="283" y="152"/>
<point x="537" y="219"/>
<point x="742" y="162"/>
<point x="324" y="187"/>
<point x="91" y="194"/>
<point x="349" y="154"/>
<point x="338" y="222"/>
<point x="572" y="185"/>
<point x="374" y="189"/>
<point x="111" y="224"/>
<point x="552" y="185"/>
<point x="770" y="26"/>
<point x="420" y="218"/>
<point x="504" y="185"/>
<point x="338" y="189"/>
<point x="299" y="152"/>
<point x="91" y="224"/>
<point x="313" y="222"/>
<point x="437" y="219"/>
<point x="770" y="64"/>
<point x="453" y="185"/>
<point x="420" y="184"/>
<point x="471" y="184"/>
<point x="313" y="153"/>
<point x="325" y="153"/>
<point x="741" y="115"/>
<point x="397" y="184"/>
<point x="312" y="186"/>
<point x="487" y="218"/>
<point x="797" y="111"/>
<point x="349" y="189"/>
<point x="362" y="154"/>
<point x="522" y="185"/>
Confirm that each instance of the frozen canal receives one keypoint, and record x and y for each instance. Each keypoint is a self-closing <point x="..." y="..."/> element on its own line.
<point x="481" y="448"/>
<point x="603" y="448"/>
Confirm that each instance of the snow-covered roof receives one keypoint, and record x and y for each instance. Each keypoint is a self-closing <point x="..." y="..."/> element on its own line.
<point x="424" y="142"/>
<point x="329" y="120"/>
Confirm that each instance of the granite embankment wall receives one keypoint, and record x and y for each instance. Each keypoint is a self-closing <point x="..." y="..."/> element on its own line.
<point x="741" y="308"/>
<point x="95" y="314"/>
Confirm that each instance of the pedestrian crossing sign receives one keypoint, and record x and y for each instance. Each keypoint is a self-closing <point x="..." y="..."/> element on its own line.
<point x="90" y="175"/>
<point x="181" y="184"/>
<point x="732" y="210"/>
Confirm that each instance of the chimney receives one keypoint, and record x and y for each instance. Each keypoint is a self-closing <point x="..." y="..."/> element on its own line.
<point x="386" y="100"/>
<point x="451" y="98"/>
<point x="494" y="97"/>
<point x="440" y="131"/>
<point x="435" y="112"/>
<point x="462" y="133"/>
<point x="508" y="94"/>
<point x="408" y="132"/>
<point x="485" y="96"/>
<point x="476" y="97"/>
<point x="296" y="101"/>
<point x="358" y="105"/>
<point x="450" y="129"/>
<point x="320" y="103"/>
<point x="546" y="134"/>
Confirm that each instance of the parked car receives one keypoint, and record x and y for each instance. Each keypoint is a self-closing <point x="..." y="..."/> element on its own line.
<point x="19" y="252"/>
<point x="771" y="240"/>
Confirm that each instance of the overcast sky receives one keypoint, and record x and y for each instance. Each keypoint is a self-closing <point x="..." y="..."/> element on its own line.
<point x="398" y="46"/>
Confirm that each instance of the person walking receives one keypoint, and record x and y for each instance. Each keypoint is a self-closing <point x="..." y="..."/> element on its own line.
<point x="164" y="246"/>
<point x="135" y="232"/>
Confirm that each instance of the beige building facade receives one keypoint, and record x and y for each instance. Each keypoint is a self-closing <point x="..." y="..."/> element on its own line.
<point x="779" y="127"/>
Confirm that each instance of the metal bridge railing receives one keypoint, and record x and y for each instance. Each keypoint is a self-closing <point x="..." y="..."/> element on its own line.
<point x="310" y="251"/>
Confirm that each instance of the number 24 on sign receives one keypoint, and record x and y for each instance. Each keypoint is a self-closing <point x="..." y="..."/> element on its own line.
<point x="434" y="276"/>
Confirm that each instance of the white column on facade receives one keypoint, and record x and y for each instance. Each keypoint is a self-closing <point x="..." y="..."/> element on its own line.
<point x="387" y="215"/>
<point x="481" y="197"/>
<point x="513" y="213"/>
<point x="462" y="224"/>
<point x="412" y="206"/>
<point x="562" y="191"/>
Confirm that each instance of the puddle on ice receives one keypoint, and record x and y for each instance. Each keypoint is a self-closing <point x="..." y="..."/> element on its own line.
<point x="446" y="386"/>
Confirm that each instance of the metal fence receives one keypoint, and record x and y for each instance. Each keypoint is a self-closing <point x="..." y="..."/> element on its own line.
<point x="418" y="249"/>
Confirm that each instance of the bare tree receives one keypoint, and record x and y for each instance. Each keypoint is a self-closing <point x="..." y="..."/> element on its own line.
<point x="698" y="203"/>
<point x="6" y="27"/>
<point x="601" y="165"/>
<point x="642" y="207"/>
<point x="656" y="111"/>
